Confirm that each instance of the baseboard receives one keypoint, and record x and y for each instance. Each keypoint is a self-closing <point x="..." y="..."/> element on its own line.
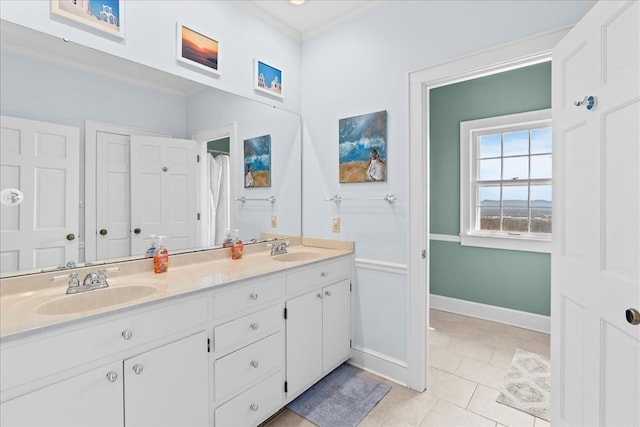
<point x="521" y="319"/>
<point x="379" y="364"/>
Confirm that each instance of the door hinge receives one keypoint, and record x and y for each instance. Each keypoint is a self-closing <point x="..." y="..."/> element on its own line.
<point x="350" y="344"/>
<point x="286" y="387"/>
<point x="350" y="287"/>
<point x="424" y="254"/>
<point x="198" y="216"/>
<point x="285" y="313"/>
<point x="198" y="158"/>
<point x="208" y="345"/>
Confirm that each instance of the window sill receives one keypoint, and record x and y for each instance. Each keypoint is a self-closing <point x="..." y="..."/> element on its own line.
<point x="516" y="243"/>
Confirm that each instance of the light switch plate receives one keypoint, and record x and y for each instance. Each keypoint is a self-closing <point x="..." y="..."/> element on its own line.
<point x="335" y="225"/>
<point x="274" y="221"/>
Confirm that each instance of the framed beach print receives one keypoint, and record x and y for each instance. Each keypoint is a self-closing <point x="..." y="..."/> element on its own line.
<point x="106" y="16"/>
<point x="196" y="49"/>
<point x="257" y="162"/>
<point x="362" y="142"/>
<point x="267" y="79"/>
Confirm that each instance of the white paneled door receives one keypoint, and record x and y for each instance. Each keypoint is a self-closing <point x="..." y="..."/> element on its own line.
<point x="164" y="192"/>
<point x="41" y="161"/>
<point x="595" y="293"/>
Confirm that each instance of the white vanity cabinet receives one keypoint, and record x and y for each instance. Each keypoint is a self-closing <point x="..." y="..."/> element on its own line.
<point x="146" y="368"/>
<point x="318" y="325"/>
<point x="248" y="341"/>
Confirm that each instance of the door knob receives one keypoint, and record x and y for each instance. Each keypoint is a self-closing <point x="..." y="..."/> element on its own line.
<point x="136" y="231"/>
<point x="589" y="102"/>
<point x="633" y="316"/>
<point x="112" y="376"/>
<point x="71" y="236"/>
<point x="137" y="368"/>
<point x="103" y="232"/>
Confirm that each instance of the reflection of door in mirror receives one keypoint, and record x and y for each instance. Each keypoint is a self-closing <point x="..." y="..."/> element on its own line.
<point x="41" y="160"/>
<point x="164" y="174"/>
<point x="108" y="190"/>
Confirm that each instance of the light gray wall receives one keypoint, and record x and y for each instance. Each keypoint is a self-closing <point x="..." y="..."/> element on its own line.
<point x="150" y="39"/>
<point x="362" y="67"/>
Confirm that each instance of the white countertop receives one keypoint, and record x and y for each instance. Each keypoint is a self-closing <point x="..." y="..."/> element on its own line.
<point x="21" y="297"/>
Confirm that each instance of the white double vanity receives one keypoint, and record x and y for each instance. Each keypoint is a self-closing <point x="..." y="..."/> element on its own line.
<point x="212" y="342"/>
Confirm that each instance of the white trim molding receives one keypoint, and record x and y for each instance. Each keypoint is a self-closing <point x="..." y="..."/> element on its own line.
<point x="508" y="316"/>
<point x="387" y="267"/>
<point x="445" y="238"/>
<point x="382" y="365"/>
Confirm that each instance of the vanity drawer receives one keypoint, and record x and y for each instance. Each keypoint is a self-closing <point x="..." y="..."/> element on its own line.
<point x="248" y="365"/>
<point x="252" y="294"/>
<point x="40" y="356"/>
<point x="254" y="405"/>
<point x="248" y="328"/>
<point x="318" y="275"/>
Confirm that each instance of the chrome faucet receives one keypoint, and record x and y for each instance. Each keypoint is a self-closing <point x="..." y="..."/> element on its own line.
<point x="278" y="248"/>
<point x="91" y="280"/>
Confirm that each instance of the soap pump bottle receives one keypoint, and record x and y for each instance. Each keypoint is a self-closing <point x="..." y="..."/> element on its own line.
<point x="237" y="246"/>
<point x="228" y="241"/>
<point x="151" y="250"/>
<point x="161" y="257"/>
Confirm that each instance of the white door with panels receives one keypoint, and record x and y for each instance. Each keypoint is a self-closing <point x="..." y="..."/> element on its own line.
<point x="595" y="290"/>
<point x="39" y="184"/>
<point x="164" y="191"/>
<point x="108" y="189"/>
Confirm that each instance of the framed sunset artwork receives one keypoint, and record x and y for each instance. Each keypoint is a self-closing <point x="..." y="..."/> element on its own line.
<point x="196" y="49"/>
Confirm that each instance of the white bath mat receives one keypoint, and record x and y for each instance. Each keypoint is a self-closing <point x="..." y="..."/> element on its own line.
<point x="527" y="385"/>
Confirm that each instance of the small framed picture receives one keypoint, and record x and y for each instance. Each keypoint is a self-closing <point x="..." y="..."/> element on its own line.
<point x="257" y="162"/>
<point x="196" y="49"/>
<point x="106" y="16"/>
<point x="267" y="79"/>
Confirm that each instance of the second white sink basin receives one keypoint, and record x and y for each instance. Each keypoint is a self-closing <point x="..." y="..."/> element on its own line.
<point x="296" y="256"/>
<point x="95" y="299"/>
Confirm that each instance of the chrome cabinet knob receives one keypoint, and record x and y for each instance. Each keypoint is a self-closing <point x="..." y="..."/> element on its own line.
<point x="254" y="326"/>
<point x="327" y="293"/>
<point x="324" y="274"/>
<point x="254" y="363"/>
<point x="254" y="407"/>
<point x="112" y="376"/>
<point x="127" y="334"/>
<point x="319" y="295"/>
<point x="137" y="368"/>
<point x="253" y="296"/>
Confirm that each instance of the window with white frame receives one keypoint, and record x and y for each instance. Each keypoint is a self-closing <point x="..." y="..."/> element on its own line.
<point x="506" y="182"/>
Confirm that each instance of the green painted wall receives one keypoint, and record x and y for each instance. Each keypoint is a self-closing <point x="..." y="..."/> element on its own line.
<point x="511" y="279"/>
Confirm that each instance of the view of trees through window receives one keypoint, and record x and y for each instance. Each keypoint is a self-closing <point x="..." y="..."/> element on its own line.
<point x="513" y="181"/>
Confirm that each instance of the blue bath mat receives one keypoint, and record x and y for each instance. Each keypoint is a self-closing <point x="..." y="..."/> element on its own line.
<point x="341" y="399"/>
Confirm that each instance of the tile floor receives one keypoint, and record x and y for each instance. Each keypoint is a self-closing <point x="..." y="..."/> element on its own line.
<point x="468" y="359"/>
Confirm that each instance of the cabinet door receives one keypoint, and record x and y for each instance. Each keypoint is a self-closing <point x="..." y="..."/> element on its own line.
<point x="169" y="386"/>
<point x="304" y="340"/>
<point x="90" y="399"/>
<point x="336" y="322"/>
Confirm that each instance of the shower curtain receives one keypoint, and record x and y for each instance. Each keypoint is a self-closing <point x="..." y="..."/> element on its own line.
<point x="219" y="198"/>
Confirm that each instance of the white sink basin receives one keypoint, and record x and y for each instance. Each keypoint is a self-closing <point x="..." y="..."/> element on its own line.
<point x="95" y="299"/>
<point x="296" y="256"/>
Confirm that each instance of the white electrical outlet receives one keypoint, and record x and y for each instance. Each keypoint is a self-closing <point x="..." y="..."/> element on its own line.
<point x="335" y="225"/>
<point x="274" y="221"/>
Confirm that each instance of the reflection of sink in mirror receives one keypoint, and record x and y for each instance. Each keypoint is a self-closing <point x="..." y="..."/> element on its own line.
<point x="96" y="299"/>
<point x="296" y="256"/>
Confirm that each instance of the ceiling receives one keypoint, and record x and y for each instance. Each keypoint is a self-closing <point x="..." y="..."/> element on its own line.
<point x="310" y="18"/>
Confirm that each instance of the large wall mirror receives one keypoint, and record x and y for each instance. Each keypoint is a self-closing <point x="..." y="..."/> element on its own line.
<point x="144" y="152"/>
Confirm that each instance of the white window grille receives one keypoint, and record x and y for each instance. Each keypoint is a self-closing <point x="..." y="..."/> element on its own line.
<point x="505" y="194"/>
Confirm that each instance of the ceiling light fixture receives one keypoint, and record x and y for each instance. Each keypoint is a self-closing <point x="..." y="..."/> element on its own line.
<point x="296" y="2"/>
